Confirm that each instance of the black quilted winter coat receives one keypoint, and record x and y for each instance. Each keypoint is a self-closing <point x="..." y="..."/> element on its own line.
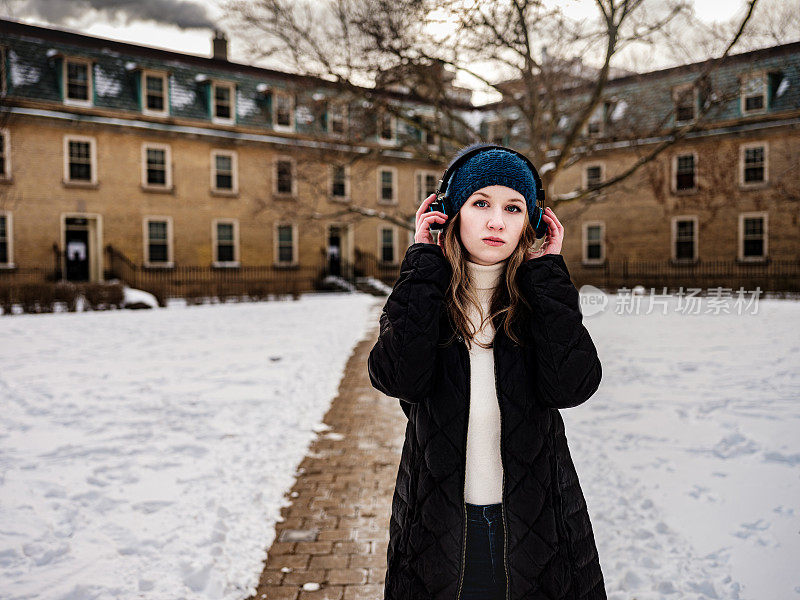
<point x="549" y="548"/>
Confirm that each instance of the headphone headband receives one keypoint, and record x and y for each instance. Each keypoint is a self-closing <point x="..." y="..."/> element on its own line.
<point x="441" y="190"/>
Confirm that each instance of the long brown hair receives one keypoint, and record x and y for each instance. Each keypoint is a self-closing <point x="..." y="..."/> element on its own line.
<point x="507" y="306"/>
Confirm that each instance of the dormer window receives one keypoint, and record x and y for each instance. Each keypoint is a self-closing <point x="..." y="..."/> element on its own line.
<point x="154" y="93"/>
<point x="685" y="98"/>
<point x="387" y="128"/>
<point x="336" y="118"/>
<point x="77" y="81"/>
<point x="596" y="125"/>
<point x="223" y="108"/>
<point x="283" y="111"/>
<point x="754" y="93"/>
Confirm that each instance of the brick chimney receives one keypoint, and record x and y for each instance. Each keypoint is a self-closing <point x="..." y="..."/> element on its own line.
<point x="220" y="45"/>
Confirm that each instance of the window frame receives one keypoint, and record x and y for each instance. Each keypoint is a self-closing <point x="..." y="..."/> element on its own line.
<point x="275" y="161"/>
<point x="92" y="182"/>
<point x="585" y="173"/>
<point x="740" y="251"/>
<point x="743" y="147"/>
<point x="147" y="262"/>
<point x="379" y="253"/>
<point x="674" y="239"/>
<point x="89" y="81"/>
<point x="392" y="126"/>
<point x="276" y="244"/>
<point x="743" y="80"/>
<point x="674" y="177"/>
<point x="329" y="119"/>
<point x="152" y="187"/>
<point x="164" y="76"/>
<point x="215" y="83"/>
<point x="236" y="262"/>
<point x="9" y="264"/>
<point x="3" y="70"/>
<point x="233" y="154"/>
<point x="5" y="149"/>
<point x="331" y="173"/>
<point x="393" y="170"/>
<point x="677" y="93"/>
<point x="290" y="128"/>
<point x="419" y="177"/>
<point x="585" y="242"/>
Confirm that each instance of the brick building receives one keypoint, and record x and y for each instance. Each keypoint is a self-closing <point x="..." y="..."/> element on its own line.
<point x="179" y="161"/>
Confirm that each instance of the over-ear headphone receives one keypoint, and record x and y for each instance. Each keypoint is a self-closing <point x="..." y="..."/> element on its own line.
<point x="443" y="204"/>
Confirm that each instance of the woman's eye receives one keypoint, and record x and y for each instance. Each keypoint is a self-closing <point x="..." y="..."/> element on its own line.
<point x="518" y="209"/>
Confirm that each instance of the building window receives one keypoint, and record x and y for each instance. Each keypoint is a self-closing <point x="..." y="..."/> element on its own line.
<point x="156" y="166"/>
<point x="226" y="242"/>
<point x="223" y="99"/>
<point x="340" y="184"/>
<point x="284" y="177"/>
<point x="413" y="232"/>
<point x="593" y="175"/>
<point x="753" y="164"/>
<point x="3" y="89"/>
<point x="6" y="240"/>
<point x="596" y="125"/>
<point x="154" y="90"/>
<point x="285" y="249"/>
<point x="224" y="176"/>
<point x="387" y="127"/>
<point x="594" y="242"/>
<point x="495" y="131"/>
<point x="283" y="111"/>
<point x="80" y="160"/>
<point x="753" y="236"/>
<point x="386" y="251"/>
<point x="336" y="118"/>
<point x="158" y="242"/>
<point x="685" y="98"/>
<point x="77" y="78"/>
<point x="685" y="172"/>
<point x="684" y="238"/>
<point x="426" y="136"/>
<point x="5" y="154"/>
<point x="387" y="187"/>
<point x="426" y="184"/>
<point x="754" y="93"/>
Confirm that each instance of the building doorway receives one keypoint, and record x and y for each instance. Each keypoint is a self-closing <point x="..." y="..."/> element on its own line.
<point x="339" y="250"/>
<point x="81" y="240"/>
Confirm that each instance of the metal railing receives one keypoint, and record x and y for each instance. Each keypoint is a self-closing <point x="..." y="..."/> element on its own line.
<point x="193" y="281"/>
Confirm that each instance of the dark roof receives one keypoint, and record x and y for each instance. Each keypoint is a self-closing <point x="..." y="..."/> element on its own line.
<point x="9" y="26"/>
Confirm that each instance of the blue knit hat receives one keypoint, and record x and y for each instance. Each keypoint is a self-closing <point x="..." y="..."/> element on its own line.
<point x="494" y="166"/>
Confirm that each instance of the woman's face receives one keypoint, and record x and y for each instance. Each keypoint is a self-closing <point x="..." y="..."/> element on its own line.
<point x="495" y="211"/>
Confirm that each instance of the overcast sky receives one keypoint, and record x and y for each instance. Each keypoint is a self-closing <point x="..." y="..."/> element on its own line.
<point x="186" y="25"/>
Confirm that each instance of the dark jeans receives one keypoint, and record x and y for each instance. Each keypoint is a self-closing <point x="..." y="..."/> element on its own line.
<point x="484" y="571"/>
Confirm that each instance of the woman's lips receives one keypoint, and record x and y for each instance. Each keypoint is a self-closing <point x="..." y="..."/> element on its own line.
<point x="492" y="242"/>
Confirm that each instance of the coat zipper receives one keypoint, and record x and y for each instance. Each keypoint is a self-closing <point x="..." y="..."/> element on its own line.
<point x="503" y="493"/>
<point x="464" y="483"/>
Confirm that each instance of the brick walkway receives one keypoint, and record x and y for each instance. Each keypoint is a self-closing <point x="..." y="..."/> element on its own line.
<point x="336" y="531"/>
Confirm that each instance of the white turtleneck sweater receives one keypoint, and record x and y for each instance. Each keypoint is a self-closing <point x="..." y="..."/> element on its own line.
<point x="484" y="469"/>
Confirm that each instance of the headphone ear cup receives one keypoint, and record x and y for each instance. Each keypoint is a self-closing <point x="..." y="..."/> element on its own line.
<point x="540" y="224"/>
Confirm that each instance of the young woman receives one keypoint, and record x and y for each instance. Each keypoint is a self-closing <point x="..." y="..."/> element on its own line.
<point x="482" y="341"/>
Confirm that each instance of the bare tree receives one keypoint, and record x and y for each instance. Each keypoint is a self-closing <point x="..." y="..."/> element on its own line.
<point x="372" y="48"/>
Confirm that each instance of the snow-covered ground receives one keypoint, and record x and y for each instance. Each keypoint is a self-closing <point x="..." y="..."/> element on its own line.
<point x="689" y="454"/>
<point x="145" y="454"/>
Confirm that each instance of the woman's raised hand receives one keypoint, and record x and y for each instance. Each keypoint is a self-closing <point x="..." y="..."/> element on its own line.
<point x="553" y="238"/>
<point x="424" y="220"/>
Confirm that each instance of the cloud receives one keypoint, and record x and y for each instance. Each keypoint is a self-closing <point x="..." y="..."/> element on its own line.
<point x="183" y="13"/>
